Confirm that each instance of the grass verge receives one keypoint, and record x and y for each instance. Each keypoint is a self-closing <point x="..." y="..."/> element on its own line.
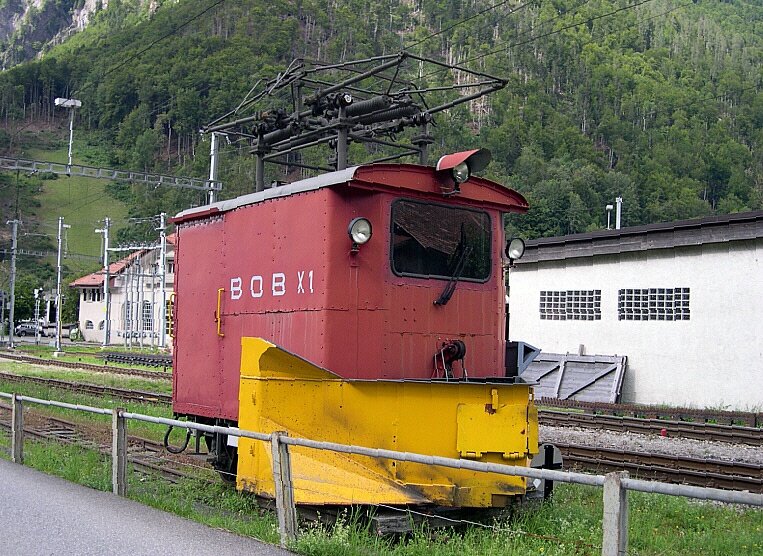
<point x="92" y="355"/>
<point x="160" y="386"/>
<point x="150" y="431"/>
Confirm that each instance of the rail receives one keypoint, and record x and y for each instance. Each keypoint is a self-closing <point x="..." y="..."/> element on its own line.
<point x="616" y="484"/>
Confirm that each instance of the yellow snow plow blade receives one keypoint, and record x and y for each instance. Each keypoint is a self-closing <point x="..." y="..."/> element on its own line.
<point x="478" y="421"/>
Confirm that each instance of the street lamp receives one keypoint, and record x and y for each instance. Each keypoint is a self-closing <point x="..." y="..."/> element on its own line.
<point x="71" y="104"/>
<point x="609" y="214"/>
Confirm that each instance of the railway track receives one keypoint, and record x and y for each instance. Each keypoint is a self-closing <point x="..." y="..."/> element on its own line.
<point x="93" y="389"/>
<point x="688" y="417"/>
<point x="86" y="366"/>
<point x="734" y="434"/>
<point x="692" y="415"/>
<point x="145" y="455"/>
<point x="666" y="468"/>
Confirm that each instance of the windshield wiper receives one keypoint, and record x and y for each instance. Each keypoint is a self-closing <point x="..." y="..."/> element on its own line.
<point x="458" y="269"/>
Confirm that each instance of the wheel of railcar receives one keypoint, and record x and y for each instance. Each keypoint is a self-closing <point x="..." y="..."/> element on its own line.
<point x="223" y="460"/>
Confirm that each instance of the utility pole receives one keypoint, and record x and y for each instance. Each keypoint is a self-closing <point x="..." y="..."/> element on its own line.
<point x="213" y="154"/>
<point x="37" y="292"/>
<point x="15" y="223"/>
<point x="2" y="314"/>
<point x="61" y="227"/>
<point x="163" y="275"/>
<point x="106" y="292"/>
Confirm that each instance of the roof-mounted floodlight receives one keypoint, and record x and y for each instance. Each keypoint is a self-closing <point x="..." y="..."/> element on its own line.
<point x="462" y="165"/>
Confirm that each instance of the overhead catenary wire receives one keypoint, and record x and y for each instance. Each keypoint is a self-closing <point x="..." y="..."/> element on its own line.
<point x="540" y="24"/>
<point x="675" y="8"/>
<point x="467" y="19"/>
<point x="560" y="30"/>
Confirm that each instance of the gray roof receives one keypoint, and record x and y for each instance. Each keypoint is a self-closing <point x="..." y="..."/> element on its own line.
<point x="666" y="235"/>
<point x="301" y="186"/>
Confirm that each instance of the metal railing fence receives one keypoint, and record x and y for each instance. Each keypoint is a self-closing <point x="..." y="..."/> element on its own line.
<point x="616" y="485"/>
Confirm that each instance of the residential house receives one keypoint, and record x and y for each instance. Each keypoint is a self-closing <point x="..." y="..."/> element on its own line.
<point x="139" y="312"/>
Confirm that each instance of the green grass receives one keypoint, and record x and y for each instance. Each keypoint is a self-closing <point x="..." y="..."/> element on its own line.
<point x="73" y="463"/>
<point x="83" y="202"/>
<point x="88" y="377"/>
<point x="91" y="354"/>
<point x="139" y="428"/>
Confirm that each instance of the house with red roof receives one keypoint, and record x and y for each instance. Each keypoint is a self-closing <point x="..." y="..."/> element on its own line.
<point x="139" y="304"/>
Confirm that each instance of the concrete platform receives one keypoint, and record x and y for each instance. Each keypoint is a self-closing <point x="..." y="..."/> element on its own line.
<point x="45" y="515"/>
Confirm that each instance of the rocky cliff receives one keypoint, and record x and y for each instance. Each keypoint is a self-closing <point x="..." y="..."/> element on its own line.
<point x="30" y="27"/>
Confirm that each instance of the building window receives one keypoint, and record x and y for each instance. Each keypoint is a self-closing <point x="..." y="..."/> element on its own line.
<point x="653" y="304"/>
<point x="88" y="325"/>
<point x="570" y="305"/>
<point x="148" y="316"/>
<point x="93" y="294"/>
<point x="101" y="325"/>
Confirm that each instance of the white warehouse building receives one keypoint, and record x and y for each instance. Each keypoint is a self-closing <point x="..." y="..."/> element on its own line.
<point x="682" y="300"/>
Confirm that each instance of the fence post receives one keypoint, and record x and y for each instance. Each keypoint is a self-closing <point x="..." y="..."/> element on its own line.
<point x="615" y="521"/>
<point x="17" y="430"/>
<point x="118" y="452"/>
<point x="284" y="490"/>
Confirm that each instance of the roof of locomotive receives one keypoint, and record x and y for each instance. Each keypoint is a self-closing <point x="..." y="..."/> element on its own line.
<point x="376" y="176"/>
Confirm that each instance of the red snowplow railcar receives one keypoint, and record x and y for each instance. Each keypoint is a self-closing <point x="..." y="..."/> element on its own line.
<point x="383" y="271"/>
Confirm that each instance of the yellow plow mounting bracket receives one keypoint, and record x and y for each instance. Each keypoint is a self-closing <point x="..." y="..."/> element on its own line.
<point x="485" y="422"/>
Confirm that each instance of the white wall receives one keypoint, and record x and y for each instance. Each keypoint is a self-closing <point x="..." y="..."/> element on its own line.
<point x="715" y="359"/>
<point x="149" y="291"/>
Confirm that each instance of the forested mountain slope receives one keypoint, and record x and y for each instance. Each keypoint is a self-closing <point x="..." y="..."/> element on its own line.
<point x="657" y="101"/>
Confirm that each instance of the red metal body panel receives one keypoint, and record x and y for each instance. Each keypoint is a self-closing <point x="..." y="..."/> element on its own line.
<point x="289" y="275"/>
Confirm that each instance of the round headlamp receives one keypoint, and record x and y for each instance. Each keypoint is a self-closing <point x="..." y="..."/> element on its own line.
<point x="359" y="230"/>
<point x="515" y="248"/>
<point x="461" y="172"/>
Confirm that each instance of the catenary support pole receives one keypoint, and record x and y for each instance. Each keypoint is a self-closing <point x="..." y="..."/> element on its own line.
<point x="213" y="161"/>
<point x="163" y="276"/>
<point x="14" y="243"/>
<point x="106" y="278"/>
<point x="59" y="304"/>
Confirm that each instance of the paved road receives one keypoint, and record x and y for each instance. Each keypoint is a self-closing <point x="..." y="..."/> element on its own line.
<point x="41" y="515"/>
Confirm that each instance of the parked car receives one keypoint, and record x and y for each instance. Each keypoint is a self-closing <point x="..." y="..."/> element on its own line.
<point x="28" y="329"/>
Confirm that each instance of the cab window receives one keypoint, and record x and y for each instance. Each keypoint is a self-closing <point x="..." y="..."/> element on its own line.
<point x="438" y="241"/>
